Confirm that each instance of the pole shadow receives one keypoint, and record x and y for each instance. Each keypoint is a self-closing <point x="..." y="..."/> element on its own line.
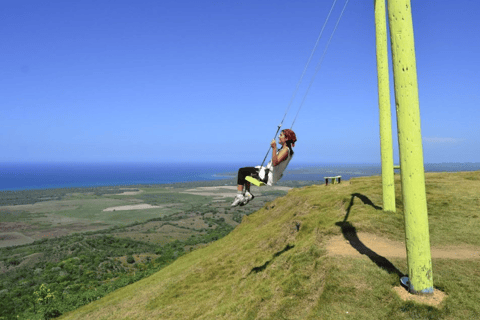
<point x="364" y="199"/>
<point x="350" y="234"/>
<point x="265" y="265"/>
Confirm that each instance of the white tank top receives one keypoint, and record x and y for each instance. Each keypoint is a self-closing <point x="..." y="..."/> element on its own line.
<point x="276" y="173"/>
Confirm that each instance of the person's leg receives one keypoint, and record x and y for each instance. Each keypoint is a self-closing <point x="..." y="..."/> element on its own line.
<point x="247" y="195"/>
<point x="247" y="186"/>
<point x="242" y="173"/>
<point x="243" y="185"/>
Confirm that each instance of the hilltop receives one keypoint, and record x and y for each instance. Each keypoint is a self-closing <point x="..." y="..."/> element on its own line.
<point x="319" y="253"/>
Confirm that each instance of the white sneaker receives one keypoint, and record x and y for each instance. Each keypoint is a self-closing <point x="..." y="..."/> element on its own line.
<point x="238" y="200"/>
<point x="247" y="198"/>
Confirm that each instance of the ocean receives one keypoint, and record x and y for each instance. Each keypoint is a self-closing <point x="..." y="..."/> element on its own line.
<point x="25" y="176"/>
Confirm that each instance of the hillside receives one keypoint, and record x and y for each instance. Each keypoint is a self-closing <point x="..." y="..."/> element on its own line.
<point x="318" y="253"/>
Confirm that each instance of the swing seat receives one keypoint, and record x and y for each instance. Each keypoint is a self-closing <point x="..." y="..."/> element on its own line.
<point x="254" y="181"/>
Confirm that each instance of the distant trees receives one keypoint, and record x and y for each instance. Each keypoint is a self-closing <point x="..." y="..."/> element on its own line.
<point x="61" y="281"/>
<point x="77" y="269"/>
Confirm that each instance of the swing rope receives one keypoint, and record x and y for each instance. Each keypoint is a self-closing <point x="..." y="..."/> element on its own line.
<point x="301" y="77"/>
<point x="308" y="61"/>
<point x="305" y="69"/>
<point x="319" y="65"/>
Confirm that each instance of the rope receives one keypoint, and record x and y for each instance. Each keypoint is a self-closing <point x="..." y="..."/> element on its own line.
<point x="309" y="59"/>
<point x="319" y="65"/>
<point x="301" y="77"/>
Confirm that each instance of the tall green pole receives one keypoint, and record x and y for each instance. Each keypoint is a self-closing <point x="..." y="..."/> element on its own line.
<point x="386" y="146"/>
<point x="420" y="278"/>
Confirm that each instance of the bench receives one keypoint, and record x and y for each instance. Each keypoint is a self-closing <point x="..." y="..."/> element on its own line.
<point x="336" y="179"/>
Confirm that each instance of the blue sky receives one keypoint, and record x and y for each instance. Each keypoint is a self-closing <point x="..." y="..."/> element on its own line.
<point x="209" y="81"/>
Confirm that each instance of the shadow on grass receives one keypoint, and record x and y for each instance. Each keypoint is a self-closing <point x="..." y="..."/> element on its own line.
<point x="350" y="234"/>
<point x="265" y="265"/>
<point x="364" y="199"/>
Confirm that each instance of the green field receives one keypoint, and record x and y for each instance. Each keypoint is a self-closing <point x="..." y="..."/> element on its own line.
<point x="34" y="215"/>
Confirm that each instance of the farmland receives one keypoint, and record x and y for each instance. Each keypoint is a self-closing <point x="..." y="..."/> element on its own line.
<point x="84" y="240"/>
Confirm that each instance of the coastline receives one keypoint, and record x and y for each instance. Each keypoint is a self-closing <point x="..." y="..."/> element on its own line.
<point x="37" y="176"/>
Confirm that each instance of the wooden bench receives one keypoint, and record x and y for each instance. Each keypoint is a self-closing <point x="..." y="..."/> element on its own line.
<point x="336" y="179"/>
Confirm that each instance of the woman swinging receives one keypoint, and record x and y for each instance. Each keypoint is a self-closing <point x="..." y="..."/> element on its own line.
<point x="269" y="174"/>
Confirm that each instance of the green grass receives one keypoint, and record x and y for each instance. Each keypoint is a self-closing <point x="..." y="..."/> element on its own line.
<point x="275" y="265"/>
<point x="8" y="215"/>
<point x="92" y="211"/>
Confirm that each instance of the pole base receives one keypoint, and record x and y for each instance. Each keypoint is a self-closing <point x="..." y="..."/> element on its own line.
<point x="405" y="282"/>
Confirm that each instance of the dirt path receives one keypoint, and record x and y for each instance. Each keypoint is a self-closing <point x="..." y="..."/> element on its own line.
<point x="227" y="191"/>
<point x="129" y="193"/>
<point x="132" y="207"/>
<point x="338" y="245"/>
<point x="368" y="243"/>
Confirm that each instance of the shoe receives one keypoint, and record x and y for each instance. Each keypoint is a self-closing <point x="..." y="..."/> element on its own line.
<point x="247" y="198"/>
<point x="239" y="199"/>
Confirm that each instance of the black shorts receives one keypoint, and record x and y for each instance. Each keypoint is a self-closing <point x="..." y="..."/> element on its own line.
<point x="245" y="172"/>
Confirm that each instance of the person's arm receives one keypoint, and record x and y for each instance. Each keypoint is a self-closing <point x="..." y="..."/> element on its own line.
<point x="281" y="156"/>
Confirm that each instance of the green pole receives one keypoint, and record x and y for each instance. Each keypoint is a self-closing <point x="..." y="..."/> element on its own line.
<point x="420" y="277"/>
<point x="386" y="146"/>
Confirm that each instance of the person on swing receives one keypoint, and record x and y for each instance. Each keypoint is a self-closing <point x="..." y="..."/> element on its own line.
<point x="269" y="174"/>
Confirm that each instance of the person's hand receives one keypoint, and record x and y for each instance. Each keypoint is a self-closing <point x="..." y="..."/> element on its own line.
<point x="273" y="144"/>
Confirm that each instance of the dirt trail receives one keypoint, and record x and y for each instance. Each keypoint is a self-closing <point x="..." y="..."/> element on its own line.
<point x="129" y="193"/>
<point x="227" y="191"/>
<point x="368" y="245"/>
<point x="338" y="245"/>
<point x="141" y="206"/>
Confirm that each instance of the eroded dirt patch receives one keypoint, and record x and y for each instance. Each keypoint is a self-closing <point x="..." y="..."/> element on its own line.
<point x="132" y="207"/>
<point x="432" y="300"/>
<point x="129" y="193"/>
<point x="387" y="248"/>
<point x="228" y="191"/>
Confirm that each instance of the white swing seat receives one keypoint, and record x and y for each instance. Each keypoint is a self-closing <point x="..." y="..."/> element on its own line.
<point x="254" y="181"/>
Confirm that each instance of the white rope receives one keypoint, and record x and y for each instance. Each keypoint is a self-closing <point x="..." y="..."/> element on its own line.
<point x="319" y="65"/>
<point x="301" y="77"/>
<point x="306" y="66"/>
<point x="309" y="59"/>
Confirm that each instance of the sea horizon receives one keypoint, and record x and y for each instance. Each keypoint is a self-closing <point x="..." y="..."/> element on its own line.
<point x="17" y="176"/>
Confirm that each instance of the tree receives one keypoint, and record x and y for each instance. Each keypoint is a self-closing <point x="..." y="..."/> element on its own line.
<point x="46" y="301"/>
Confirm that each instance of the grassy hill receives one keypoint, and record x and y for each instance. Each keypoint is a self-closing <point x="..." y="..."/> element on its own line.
<point x="279" y="263"/>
